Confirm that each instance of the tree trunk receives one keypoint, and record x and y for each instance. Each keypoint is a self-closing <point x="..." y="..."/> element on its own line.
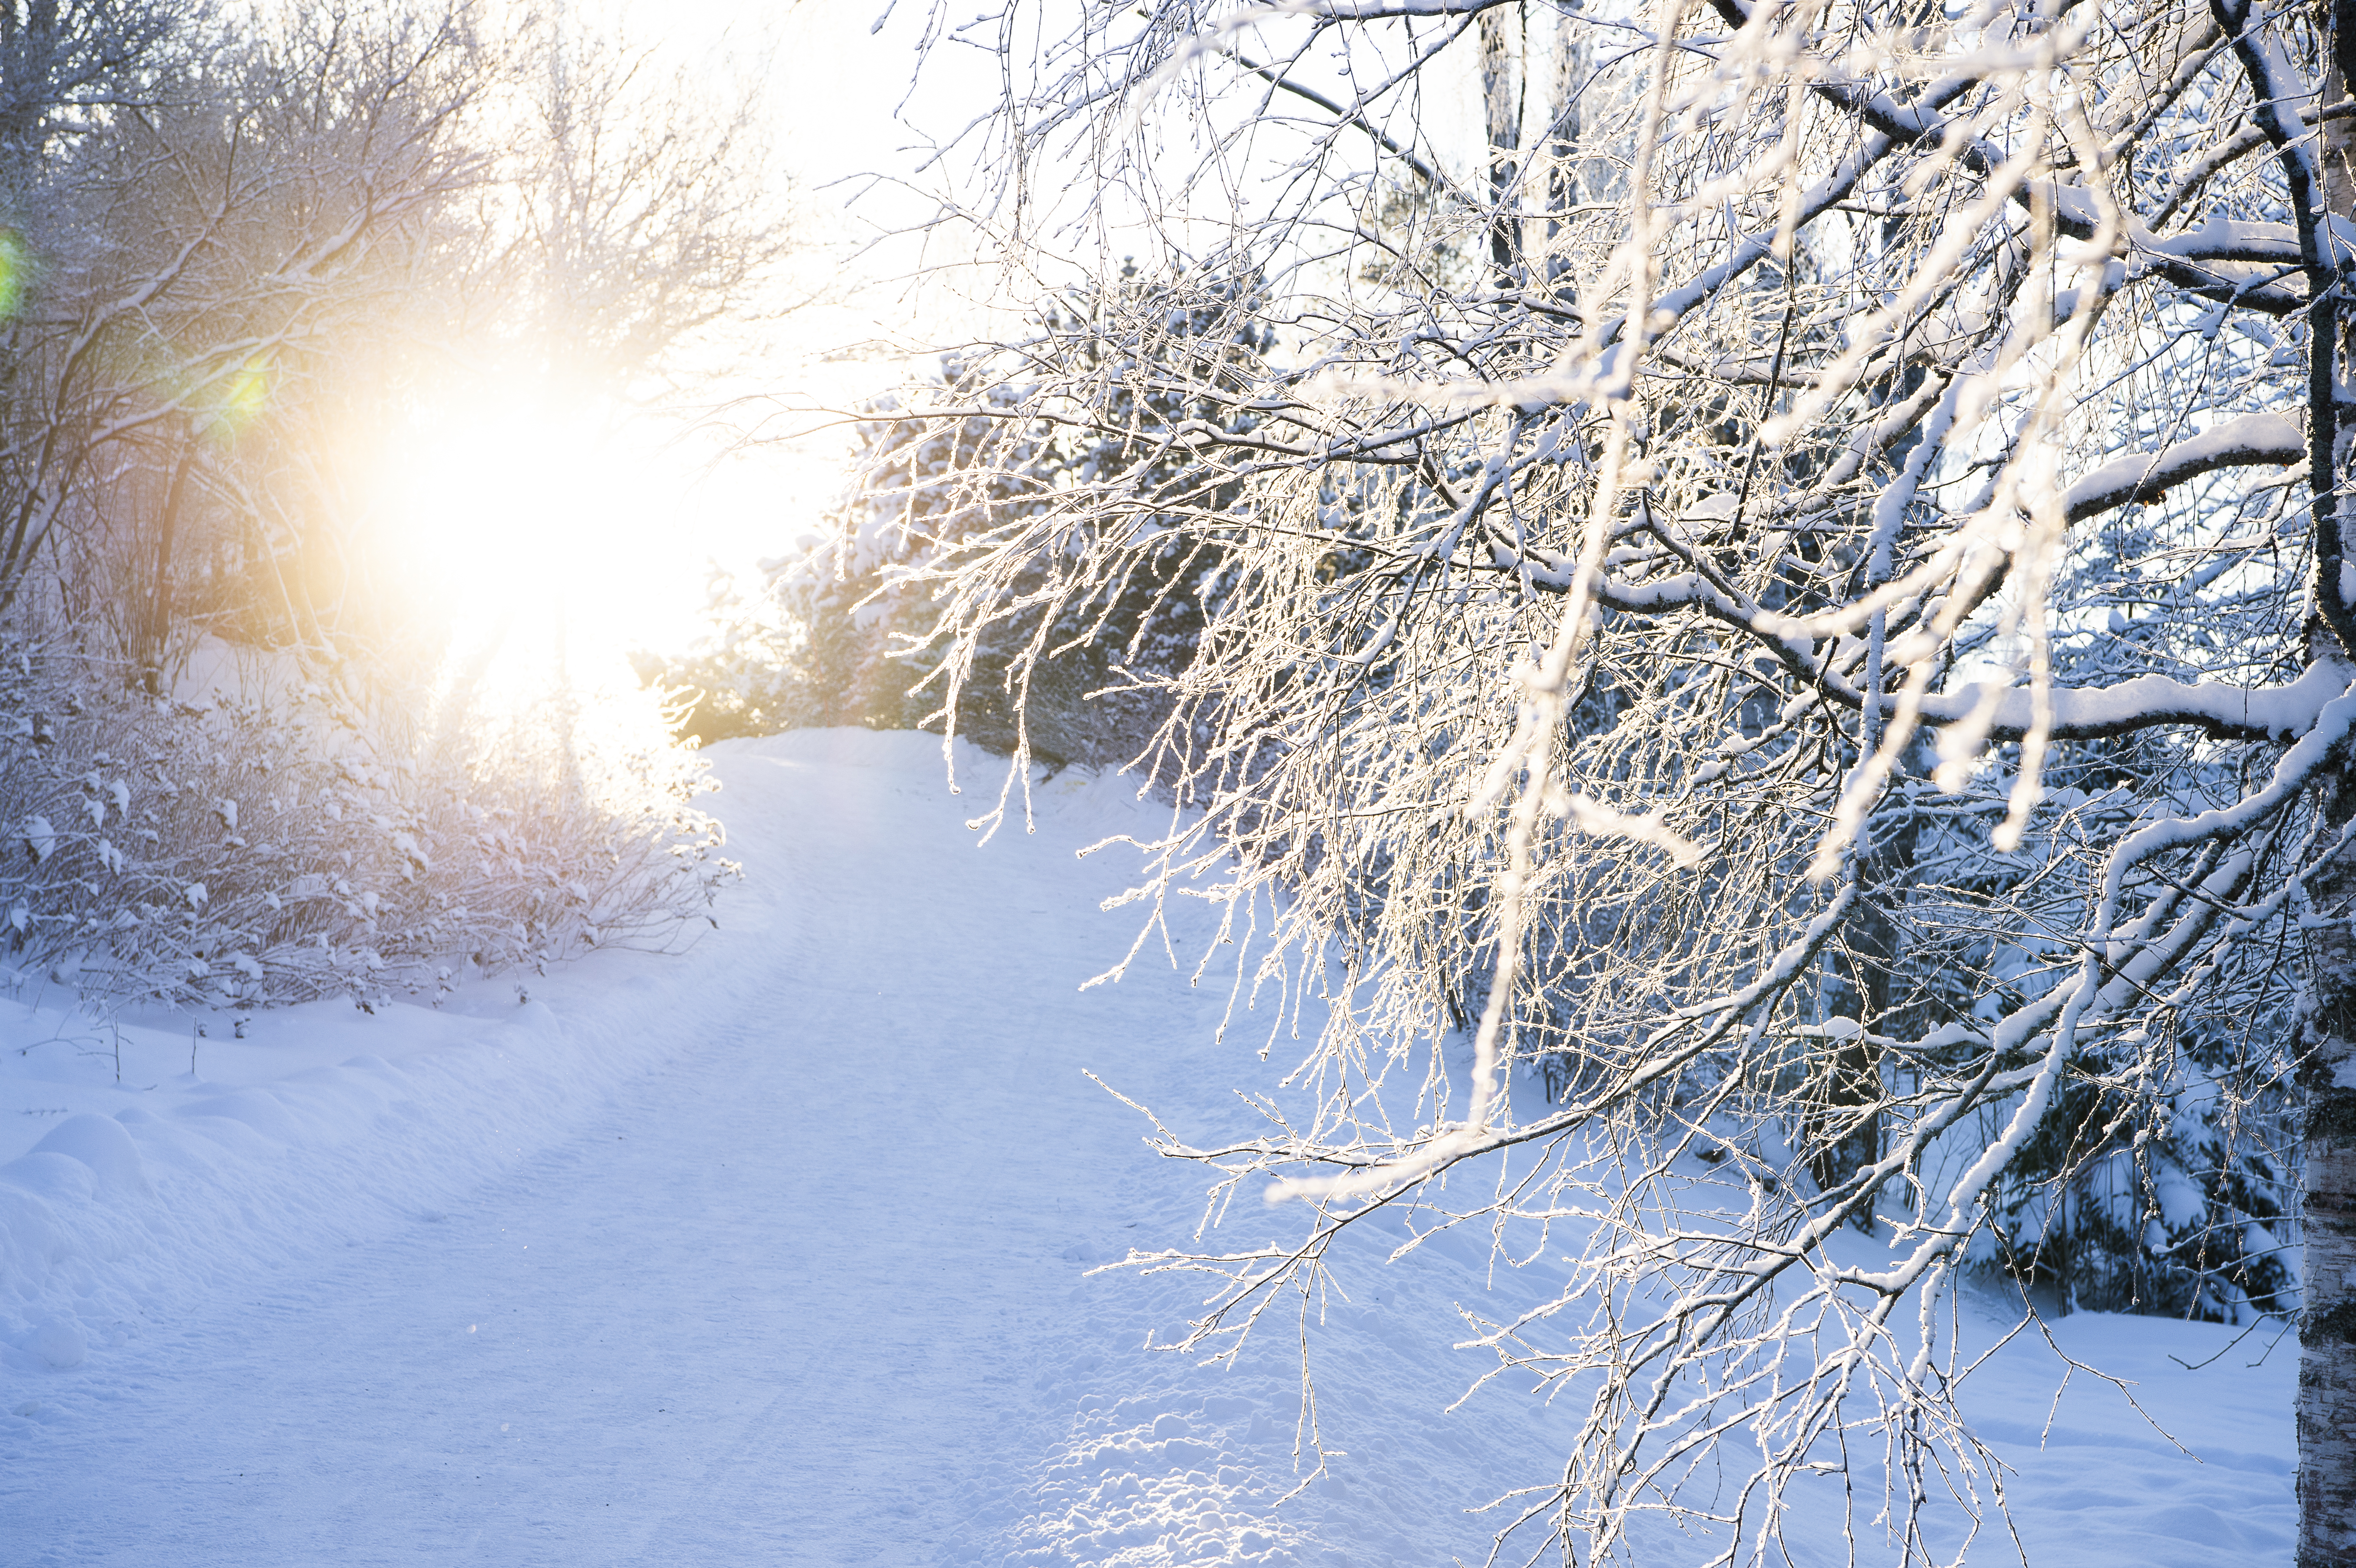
<point x="2327" y="1073"/>
<point x="1501" y="100"/>
<point x="1843" y="1127"/>
<point x="1564" y="130"/>
<point x="153" y="635"/>
<point x="2327" y="1331"/>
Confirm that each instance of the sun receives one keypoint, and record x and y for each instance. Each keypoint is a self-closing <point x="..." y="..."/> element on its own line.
<point x="522" y="518"/>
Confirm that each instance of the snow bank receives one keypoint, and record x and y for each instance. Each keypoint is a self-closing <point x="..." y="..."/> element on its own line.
<point x="150" y="1159"/>
<point x="123" y="1202"/>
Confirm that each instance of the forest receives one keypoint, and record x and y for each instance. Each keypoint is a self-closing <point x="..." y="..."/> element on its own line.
<point x="247" y="760"/>
<point x="1730" y="626"/>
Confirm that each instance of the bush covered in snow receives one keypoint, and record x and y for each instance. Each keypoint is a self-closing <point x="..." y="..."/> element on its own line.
<point x="299" y="835"/>
<point x="944" y="481"/>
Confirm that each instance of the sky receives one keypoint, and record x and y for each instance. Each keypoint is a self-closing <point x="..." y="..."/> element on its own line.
<point x="617" y="518"/>
<point x="614" y="516"/>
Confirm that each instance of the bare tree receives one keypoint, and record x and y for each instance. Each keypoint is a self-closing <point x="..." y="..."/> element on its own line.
<point x="241" y="256"/>
<point x="242" y="248"/>
<point x="638" y="200"/>
<point x="1832" y="650"/>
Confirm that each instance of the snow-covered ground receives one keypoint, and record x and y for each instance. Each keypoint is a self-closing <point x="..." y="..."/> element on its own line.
<point x="778" y="1253"/>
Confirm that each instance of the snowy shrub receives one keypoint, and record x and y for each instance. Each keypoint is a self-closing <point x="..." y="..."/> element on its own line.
<point x="939" y="510"/>
<point x="303" y="839"/>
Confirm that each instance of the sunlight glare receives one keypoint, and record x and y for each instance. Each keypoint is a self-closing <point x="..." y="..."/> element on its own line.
<point x="544" y="537"/>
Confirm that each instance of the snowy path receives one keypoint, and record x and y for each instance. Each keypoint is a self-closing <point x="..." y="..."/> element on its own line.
<point x="803" y="1284"/>
<point x="772" y="1304"/>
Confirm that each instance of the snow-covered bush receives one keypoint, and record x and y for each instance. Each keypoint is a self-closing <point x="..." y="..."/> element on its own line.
<point x="302" y="836"/>
<point x="837" y="632"/>
<point x="944" y="484"/>
<point x="918" y="490"/>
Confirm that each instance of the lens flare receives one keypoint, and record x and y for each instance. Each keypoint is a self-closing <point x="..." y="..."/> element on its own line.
<point x="15" y="273"/>
<point x="247" y="391"/>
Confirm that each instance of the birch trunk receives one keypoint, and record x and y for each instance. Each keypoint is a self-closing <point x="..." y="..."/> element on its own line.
<point x="2327" y="1359"/>
<point x="1501" y="102"/>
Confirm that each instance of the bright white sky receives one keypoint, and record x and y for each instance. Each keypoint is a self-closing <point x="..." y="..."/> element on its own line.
<point x="614" y="515"/>
<point x="618" y="520"/>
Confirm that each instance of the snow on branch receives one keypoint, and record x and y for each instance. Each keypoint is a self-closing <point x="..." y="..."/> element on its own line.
<point x="1703" y="450"/>
<point x="2253" y="440"/>
<point x="2217" y="708"/>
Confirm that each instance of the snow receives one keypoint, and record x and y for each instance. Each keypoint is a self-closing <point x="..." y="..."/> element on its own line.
<point x="779" y="1250"/>
<point x="2250" y="441"/>
<point x="2279" y="712"/>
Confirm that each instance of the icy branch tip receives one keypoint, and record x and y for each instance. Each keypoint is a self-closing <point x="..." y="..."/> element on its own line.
<point x="1602" y="821"/>
<point x="1388" y="1176"/>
